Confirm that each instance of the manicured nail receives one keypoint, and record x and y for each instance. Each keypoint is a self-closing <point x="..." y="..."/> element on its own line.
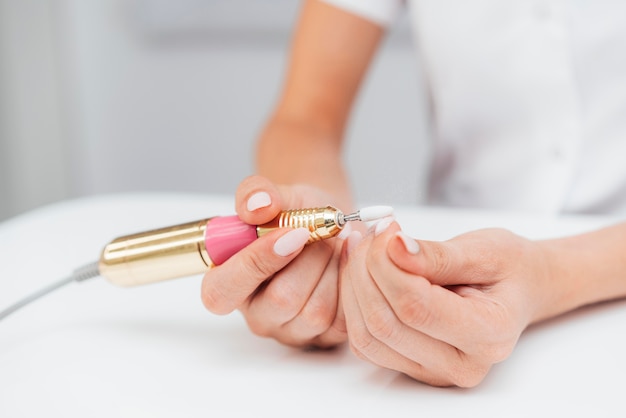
<point x="345" y="231"/>
<point x="258" y="200"/>
<point x="291" y="242"/>
<point x="412" y="247"/>
<point x="370" y="225"/>
<point x="383" y="224"/>
<point x="353" y="240"/>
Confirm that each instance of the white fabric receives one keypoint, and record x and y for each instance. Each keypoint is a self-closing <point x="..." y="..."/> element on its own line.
<point x="529" y="102"/>
<point x="382" y="12"/>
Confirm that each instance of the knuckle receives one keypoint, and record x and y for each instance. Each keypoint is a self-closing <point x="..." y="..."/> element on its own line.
<point x="255" y="265"/>
<point x="498" y="336"/>
<point x="467" y="373"/>
<point x="339" y="326"/>
<point x="410" y="310"/>
<point x="258" y="326"/>
<point x="318" y="315"/>
<point x="356" y="351"/>
<point x="440" y="260"/>
<point x="380" y="324"/>
<point x="490" y="350"/>
<point x="281" y="296"/>
<point x="498" y="353"/>
<point x="361" y="342"/>
<point x="469" y="377"/>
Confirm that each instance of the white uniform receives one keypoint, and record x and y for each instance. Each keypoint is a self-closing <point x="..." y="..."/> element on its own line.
<point x="529" y="100"/>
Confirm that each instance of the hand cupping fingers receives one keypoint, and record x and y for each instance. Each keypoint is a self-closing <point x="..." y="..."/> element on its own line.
<point x="476" y="277"/>
<point x="418" y="303"/>
<point x="377" y="335"/>
<point x="367" y="347"/>
<point x="479" y="322"/>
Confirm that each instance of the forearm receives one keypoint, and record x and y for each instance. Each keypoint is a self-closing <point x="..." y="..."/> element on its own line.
<point x="302" y="141"/>
<point x="292" y="152"/>
<point x="583" y="269"/>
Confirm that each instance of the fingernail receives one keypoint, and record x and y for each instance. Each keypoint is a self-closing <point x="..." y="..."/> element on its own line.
<point x="345" y="231"/>
<point x="258" y="200"/>
<point x="383" y="224"/>
<point x="370" y="225"/>
<point x="353" y="240"/>
<point x="412" y="247"/>
<point x="291" y="242"/>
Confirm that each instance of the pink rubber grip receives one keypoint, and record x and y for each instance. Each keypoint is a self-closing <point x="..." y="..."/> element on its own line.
<point x="227" y="235"/>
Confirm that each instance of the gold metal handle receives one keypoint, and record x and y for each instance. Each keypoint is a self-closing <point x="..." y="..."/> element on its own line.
<point x="323" y="223"/>
<point x="179" y="251"/>
<point x="156" y="255"/>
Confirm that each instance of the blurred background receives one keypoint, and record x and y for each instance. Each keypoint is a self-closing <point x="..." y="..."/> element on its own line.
<point x="112" y="96"/>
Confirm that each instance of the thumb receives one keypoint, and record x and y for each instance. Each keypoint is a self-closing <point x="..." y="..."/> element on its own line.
<point x="443" y="263"/>
<point x="257" y="200"/>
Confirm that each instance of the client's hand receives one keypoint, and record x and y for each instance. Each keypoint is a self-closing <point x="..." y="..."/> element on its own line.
<point x="440" y="312"/>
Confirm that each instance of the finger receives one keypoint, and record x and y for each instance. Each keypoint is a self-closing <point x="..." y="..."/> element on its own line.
<point x="286" y="296"/>
<point x="319" y="310"/>
<point x="434" y="310"/>
<point x="362" y="342"/>
<point x="383" y="324"/>
<point x="257" y="200"/>
<point x="454" y="262"/>
<point x="337" y="332"/>
<point x="226" y="287"/>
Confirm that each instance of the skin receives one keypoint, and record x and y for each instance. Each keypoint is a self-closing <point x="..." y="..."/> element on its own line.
<point x="443" y="315"/>
<point x="299" y="165"/>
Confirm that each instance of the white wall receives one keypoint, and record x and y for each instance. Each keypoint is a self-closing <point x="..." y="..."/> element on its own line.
<point x="169" y="95"/>
<point x="33" y="159"/>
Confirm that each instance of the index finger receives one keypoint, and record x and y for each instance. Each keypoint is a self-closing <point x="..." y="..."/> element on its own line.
<point x="226" y="287"/>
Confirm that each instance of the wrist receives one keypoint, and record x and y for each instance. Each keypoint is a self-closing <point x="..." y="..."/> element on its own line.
<point x="560" y="288"/>
<point x="581" y="270"/>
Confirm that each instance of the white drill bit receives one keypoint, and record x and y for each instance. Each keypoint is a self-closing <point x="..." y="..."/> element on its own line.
<point x="368" y="214"/>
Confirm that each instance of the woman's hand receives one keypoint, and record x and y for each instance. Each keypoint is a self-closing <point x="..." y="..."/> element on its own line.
<point x="285" y="290"/>
<point x="441" y="312"/>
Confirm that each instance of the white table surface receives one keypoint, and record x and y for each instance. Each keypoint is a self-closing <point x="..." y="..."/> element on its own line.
<point x="95" y="350"/>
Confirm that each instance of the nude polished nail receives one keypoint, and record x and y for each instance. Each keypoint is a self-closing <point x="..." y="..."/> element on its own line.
<point x="383" y="224"/>
<point x="411" y="246"/>
<point x="291" y="242"/>
<point x="258" y="200"/>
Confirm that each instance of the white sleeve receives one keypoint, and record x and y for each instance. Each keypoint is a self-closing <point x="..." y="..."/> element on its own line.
<point x="383" y="12"/>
